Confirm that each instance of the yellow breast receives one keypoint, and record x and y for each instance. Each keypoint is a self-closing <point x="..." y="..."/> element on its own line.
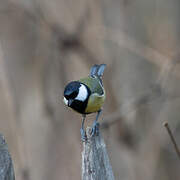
<point x="95" y="103"/>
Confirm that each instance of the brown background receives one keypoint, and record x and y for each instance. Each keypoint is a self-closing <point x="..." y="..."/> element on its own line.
<point x="45" y="44"/>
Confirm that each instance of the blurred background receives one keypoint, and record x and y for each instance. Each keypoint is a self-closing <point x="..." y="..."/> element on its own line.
<point x="45" y="44"/>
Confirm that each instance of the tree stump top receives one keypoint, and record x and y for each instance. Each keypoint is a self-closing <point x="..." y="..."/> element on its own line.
<point x="95" y="160"/>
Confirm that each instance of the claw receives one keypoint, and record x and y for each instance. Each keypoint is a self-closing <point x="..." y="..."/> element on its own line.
<point x="95" y="126"/>
<point x="83" y="135"/>
<point x="95" y="129"/>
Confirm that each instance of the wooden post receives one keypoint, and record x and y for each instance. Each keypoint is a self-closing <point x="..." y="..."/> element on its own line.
<point x="6" y="165"/>
<point x="95" y="160"/>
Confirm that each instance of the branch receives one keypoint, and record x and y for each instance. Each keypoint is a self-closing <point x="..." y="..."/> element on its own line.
<point x="166" y="125"/>
<point x="6" y="165"/>
<point x="95" y="160"/>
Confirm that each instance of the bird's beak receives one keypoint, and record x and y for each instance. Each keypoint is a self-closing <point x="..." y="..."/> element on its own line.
<point x="70" y="101"/>
<point x="65" y="101"/>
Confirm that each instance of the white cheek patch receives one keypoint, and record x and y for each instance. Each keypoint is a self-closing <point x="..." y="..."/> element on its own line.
<point x="65" y="101"/>
<point x="83" y="93"/>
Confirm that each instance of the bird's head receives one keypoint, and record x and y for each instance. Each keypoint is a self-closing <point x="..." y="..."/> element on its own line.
<point x="75" y="93"/>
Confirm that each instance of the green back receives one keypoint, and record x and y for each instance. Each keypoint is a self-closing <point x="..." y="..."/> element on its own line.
<point x="93" y="84"/>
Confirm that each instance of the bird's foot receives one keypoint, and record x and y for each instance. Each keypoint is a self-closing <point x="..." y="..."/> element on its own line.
<point x="83" y="135"/>
<point x="95" y="129"/>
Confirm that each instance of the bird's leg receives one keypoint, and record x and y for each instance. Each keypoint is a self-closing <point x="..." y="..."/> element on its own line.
<point x="95" y="126"/>
<point x="83" y="133"/>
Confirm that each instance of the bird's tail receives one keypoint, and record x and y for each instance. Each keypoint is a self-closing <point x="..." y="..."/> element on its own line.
<point x="97" y="70"/>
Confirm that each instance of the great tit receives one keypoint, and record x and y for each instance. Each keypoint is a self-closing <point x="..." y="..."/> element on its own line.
<point x="87" y="96"/>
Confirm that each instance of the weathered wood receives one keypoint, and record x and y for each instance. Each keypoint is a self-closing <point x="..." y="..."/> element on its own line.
<point x="6" y="165"/>
<point x="95" y="160"/>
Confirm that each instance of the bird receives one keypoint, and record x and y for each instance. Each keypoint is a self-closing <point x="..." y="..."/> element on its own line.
<point x="87" y="96"/>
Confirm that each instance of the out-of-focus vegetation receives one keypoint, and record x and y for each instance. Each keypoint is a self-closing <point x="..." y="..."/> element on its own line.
<point x="45" y="44"/>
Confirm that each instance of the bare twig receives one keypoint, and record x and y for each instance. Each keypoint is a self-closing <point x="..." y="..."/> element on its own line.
<point x="166" y="125"/>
